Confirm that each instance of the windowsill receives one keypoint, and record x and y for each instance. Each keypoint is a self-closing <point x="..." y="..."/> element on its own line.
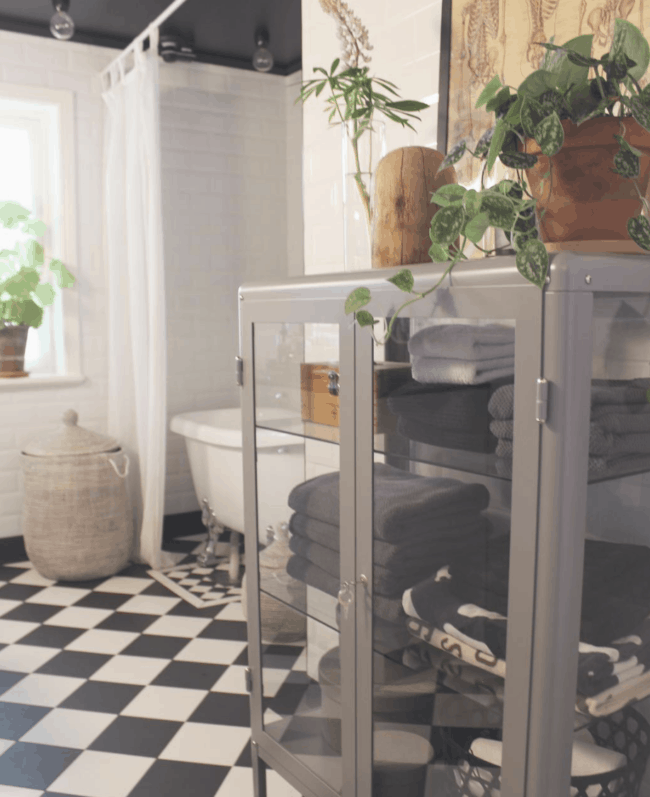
<point x="41" y="380"/>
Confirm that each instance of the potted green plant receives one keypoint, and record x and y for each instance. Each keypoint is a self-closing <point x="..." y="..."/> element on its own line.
<point x="25" y="285"/>
<point x="576" y="134"/>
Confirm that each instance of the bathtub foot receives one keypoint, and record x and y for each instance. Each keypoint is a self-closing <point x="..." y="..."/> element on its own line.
<point x="208" y="557"/>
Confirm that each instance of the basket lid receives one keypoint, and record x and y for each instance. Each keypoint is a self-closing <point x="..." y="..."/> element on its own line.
<point x="70" y="439"/>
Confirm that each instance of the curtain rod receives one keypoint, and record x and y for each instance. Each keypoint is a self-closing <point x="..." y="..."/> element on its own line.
<point x="145" y="33"/>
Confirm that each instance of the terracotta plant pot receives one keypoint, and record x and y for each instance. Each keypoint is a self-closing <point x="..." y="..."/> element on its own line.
<point x="13" y="340"/>
<point x="584" y="199"/>
<point x="402" y="211"/>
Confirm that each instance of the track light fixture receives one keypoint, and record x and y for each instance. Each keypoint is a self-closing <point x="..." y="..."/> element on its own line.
<point x="61" y="24"/>
<point x="262" y="57"/>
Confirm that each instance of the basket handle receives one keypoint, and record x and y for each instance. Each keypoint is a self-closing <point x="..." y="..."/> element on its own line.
<point x="126" y="467"/>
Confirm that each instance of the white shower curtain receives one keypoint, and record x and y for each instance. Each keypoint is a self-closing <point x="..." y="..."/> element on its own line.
<point x="137" y="368"/>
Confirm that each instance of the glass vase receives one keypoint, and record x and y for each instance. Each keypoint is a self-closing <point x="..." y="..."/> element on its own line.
<point x="360" y="155"/>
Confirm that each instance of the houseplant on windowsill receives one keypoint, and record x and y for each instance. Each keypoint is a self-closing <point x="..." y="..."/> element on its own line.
<point x="575" y="132"/>
<point x="25" y="286"/>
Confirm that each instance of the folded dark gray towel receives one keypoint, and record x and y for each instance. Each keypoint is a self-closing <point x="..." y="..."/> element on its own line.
<point x="447" y="407"/>
<point x="483" y="443"/>
<point x="601" y="441"/>
<point x="388" y="581"/>
<point x="603" y="392"/>
<point x="463" y="341"/>
<point x="402" y="500"/>
<point x="597" y="467"/>
<point x="389" y="609"/>
<point x="432" y="542"/>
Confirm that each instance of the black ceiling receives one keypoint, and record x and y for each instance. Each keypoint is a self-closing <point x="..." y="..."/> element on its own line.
<point x="220" y="31"/>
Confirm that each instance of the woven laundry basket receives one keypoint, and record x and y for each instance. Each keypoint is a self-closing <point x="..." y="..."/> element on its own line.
<point x="77" y="519"/>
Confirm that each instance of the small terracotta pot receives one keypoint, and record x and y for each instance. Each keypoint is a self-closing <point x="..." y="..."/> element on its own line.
<point x="13" y="341"/>
<point x="584" y="199"/>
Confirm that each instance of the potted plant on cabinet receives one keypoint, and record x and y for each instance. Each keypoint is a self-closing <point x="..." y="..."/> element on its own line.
<point x="25" y="285"/>
<point x="576" y="134"/>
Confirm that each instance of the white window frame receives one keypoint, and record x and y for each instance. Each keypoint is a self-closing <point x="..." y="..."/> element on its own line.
<point x="61" y="240"/>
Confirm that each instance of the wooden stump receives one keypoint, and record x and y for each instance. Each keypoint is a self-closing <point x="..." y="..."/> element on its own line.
<point x="404" y="181"/>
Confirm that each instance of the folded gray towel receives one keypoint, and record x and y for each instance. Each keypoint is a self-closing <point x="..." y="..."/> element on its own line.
<point x="388" y="581"/>
<point x="432" y="370"/>
<point x="447" y="407"/>
<point x="464" y="342"/>
<point x="601" y="441"/>
<point x="482" y="442"/>
<point x="603" y="392"/>
<point x="404" y="554"/>
<point x="389" y="609"/>
<point x="401" y="500"/>
<point x="597" y="466"/>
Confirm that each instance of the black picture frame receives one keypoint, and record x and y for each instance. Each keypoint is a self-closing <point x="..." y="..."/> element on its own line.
<point x="443" y="83"/>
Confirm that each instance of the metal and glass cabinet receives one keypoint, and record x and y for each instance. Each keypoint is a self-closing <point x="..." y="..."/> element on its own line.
<point x="448" y="534"/>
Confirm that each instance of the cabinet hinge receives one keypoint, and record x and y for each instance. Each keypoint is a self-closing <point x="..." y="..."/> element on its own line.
<point x="249" y="679"/>
<point x="239" y="370"/>
<point x="541" y="403"/>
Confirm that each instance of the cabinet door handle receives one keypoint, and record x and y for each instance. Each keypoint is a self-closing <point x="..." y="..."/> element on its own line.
<point x="333" y="383"/>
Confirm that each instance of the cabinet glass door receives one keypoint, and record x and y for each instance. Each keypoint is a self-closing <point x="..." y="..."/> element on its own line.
<point x="443" y="429"/>
<point x="611" y="751"/>
<point x="297" y="470"/>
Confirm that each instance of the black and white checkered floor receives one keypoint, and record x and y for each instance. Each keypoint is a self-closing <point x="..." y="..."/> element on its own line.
<point x="119" y="688"/>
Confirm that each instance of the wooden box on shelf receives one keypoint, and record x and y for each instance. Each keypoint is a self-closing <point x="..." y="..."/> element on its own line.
<point x="319" y="383"/>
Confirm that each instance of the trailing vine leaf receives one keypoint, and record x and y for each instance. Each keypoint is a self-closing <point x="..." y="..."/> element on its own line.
<point x="532" y="262"/>
<point x="500" y="210"/>
<point x="640" y="111"/>
<point x="581" y="60"/>
<point x="448" y="194"/>
<point x="628" y="39"/>
<point x="45" y="294"/>
<point x="365" y="319"/>
<point x="403" y="280"/>
<point x="359" y="298"/>
<point x="638" y="228"/>
<point x="499" y="100"/>
<point x="447" y="224"/>
<point x="64" y="277"/>
<point x="476" y="227"/>
<point x="438" y="253"/>
<point x="626" y="164"/>
<point x="484" y="143"/>
<point x="549" y="134"/>
<point x="488" y="92"/>
<point x="498" y="138"/>
<point x="454" y="156"/>
<point x="521" y="238"/>
<point x="626" y="145"/>
<point x="471" y="202"/>
<point x="518" y="160"/>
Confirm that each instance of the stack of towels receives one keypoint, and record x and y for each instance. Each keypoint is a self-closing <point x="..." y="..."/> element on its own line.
<point x="462" y="354"/>
<point x="454" y="366"/>
<point x="419" y="524"/>
<point x="463" y="609"/>
<point x="619" y="430"/>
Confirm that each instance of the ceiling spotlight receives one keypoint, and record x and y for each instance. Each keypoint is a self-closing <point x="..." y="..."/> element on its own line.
<point x="61" y="24"/>
<point x="262" y="58"/>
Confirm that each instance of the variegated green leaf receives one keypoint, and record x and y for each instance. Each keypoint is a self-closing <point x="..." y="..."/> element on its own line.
<point x="499" y="208"/>
<point x="365" y="319"/>
<point x="454" y="156"/>
<point x="438" y="253"/>
<point x="488" y="92"/>
<point x="359" y="298"/>
<point x="447" y="224"/>
<point x="638" y="228"/>
<point x="549" y="134"/>
<point x="447" y="194"/>
<point x="403" y="280"/>
<point x="518" y="160"/>
<point x="626" y="164"/>
<point x="532" y="262"/>
<point x="476" y="227"/>
<point x="640" y="111"/>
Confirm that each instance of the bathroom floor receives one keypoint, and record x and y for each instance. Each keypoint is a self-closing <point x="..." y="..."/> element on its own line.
<point x="119" y="688"/>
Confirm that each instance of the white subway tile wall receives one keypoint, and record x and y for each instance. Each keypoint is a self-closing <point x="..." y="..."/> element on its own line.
<point x="231" y="144"/>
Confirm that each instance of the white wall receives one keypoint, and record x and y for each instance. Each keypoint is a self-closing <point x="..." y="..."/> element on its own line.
<point x="406" y="41"/>
<point x="26" y="413"/>
<point x="230" y="140"/>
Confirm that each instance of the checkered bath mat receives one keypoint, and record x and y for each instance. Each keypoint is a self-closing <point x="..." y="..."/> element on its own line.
<point x="202" y="587"/>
